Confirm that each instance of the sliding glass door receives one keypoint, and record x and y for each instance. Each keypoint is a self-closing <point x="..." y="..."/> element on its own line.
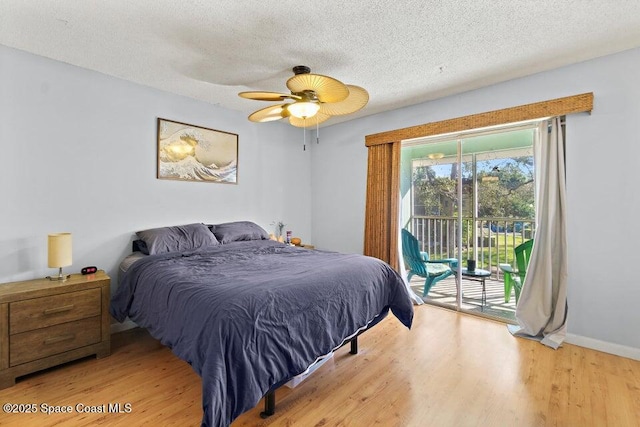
<point x="469" y="197"/>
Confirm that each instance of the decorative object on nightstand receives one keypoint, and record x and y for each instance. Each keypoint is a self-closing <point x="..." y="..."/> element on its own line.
<point x="278" y="228"/>
<point x="296" y="241"/>
<point x="59" y="253"/>
<point x="45" y="323"/>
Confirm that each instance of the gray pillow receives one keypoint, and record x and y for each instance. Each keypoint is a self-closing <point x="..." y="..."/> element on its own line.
<point x="178" y="238"/>
<point x="239" y="230"/>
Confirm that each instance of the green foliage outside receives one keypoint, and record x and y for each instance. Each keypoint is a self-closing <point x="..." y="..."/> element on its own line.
<point x="505" y="189"/>
<point x="511" y="195"/>
<point x="509" y="241"/>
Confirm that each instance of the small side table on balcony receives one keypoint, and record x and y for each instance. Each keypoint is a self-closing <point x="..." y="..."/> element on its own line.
<point x="477" y="275"/>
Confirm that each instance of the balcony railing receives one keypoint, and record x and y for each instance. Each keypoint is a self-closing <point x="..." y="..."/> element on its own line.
<point x="494" y="242"/>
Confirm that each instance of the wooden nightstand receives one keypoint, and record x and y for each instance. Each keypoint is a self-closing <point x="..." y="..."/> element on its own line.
<point x="45" y="323"/>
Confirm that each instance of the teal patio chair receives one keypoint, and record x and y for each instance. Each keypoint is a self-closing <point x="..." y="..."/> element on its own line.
<point x="515" y="278"/>
<point x="419" y="264"/>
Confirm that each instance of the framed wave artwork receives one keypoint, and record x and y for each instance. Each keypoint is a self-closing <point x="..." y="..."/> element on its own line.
<point x="194" y="153"/>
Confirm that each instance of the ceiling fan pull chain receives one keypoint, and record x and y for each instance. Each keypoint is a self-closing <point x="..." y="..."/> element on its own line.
<point x="317" y="133"/>
<point x="304" y="135"/>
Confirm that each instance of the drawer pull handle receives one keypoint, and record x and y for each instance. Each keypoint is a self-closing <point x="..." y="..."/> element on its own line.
<point x="59" y="339"/>
<point x="58" y="309"/>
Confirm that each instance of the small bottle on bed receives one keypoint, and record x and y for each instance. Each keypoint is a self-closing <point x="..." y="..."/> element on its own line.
<point x="288" y="241"/>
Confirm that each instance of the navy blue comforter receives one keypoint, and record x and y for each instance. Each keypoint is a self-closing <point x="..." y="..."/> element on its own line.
<point x="248" y="315"/>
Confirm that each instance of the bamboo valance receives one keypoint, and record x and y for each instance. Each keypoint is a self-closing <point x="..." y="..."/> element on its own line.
<point x="554" y="107"/>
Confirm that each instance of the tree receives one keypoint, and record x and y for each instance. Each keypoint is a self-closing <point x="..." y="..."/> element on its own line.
<point x="505" y="189"/>
<point x="438" y="195"/>
<point x="511" y="195"/>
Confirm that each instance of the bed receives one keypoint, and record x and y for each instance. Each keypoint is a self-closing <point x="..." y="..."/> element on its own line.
<point x="248" y="313"/>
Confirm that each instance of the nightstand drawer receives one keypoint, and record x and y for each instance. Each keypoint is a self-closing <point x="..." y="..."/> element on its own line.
<point x="40" y="343"/>
<point x="52" y="310"/>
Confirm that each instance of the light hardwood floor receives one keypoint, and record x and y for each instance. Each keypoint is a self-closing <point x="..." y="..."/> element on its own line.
<point x="450" y="370"/>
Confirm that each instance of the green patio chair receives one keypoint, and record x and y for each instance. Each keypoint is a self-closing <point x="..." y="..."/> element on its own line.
<point x="515" y="278"/>
<point x="419" y="264"/>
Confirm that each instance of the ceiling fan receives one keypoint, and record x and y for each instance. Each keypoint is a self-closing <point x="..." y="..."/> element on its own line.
<point x="315" y="98"/>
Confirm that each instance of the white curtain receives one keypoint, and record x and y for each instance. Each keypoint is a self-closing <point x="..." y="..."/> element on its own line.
<point x="542" y="308"/>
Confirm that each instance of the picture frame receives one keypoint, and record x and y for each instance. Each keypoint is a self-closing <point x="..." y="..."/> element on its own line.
<point x="194" y="153"/>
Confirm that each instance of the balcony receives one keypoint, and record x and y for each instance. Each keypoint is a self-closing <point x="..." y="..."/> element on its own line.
<point x="443" y="294"/>
<point x="494" y="240"/>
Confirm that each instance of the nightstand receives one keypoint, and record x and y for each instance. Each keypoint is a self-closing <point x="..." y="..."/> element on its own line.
<point x="45" y="323"/>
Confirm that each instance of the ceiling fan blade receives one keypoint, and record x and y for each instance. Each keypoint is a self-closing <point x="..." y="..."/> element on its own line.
<point x="269" y="114"/>
<point x="326" y="88"/>
<point x="268" y="96"/>
<point x="311" y="121"/>
<point x="357" y="99"/>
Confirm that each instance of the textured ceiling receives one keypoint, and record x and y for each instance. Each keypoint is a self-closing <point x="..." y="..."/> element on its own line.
<point x="402" y="52"/>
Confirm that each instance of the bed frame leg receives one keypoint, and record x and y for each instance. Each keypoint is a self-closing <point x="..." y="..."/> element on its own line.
<point x="270" y="397"/>
<point x="269" y="404"/>
<point x="354" y="346"/>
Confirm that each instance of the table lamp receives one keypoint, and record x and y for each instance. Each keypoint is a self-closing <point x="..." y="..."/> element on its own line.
<point x="59" y="246"/>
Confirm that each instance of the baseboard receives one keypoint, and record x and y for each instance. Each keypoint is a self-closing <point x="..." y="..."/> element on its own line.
<point x="119" y="327"/>
<point x="604" y="346"/>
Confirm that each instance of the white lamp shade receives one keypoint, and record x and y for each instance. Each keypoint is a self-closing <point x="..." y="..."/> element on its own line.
<point x="303" y="110"/>
<point x="59" y="250"/>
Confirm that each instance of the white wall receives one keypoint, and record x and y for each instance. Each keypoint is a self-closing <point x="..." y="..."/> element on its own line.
<point x="78" y="152"/>
<point x="602" y="175"/>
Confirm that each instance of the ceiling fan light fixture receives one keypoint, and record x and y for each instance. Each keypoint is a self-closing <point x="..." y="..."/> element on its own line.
<point x="313" y="99"/>
<point x="303" y="109"/>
